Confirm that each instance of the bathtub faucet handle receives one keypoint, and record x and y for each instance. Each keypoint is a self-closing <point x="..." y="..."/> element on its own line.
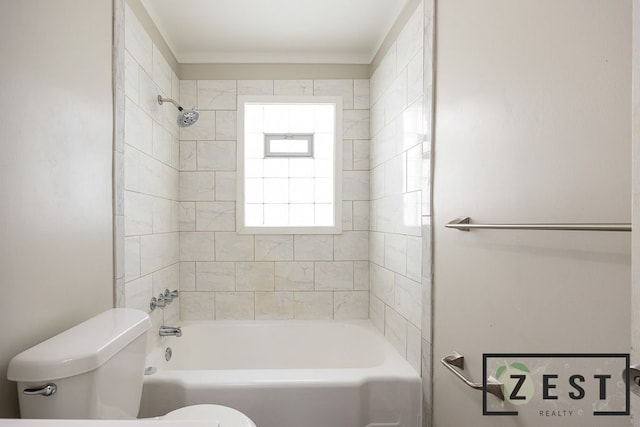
<point x="170" y="295"/>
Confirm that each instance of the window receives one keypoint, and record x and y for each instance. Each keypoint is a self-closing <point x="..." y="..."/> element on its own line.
<point x="289" y="165"/>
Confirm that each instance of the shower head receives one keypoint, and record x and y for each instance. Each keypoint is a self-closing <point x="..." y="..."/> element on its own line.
<point x="185" y="117"/>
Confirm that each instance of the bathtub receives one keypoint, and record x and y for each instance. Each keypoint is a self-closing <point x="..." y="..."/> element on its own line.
<point x="286" y="374"/>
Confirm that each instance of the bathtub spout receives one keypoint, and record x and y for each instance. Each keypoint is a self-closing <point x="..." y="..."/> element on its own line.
<point x="167" y="331"/>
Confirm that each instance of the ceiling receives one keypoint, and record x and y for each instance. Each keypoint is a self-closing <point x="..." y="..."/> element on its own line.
<point x="274" y="31"/>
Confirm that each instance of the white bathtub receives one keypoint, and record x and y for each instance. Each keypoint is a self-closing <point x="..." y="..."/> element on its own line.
<point x="286" y="374"/>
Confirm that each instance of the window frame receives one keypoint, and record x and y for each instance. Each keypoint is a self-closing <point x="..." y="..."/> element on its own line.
<point x="336" y="228"/>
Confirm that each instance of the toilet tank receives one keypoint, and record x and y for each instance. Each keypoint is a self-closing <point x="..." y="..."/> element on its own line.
<point x="96" y="369"/>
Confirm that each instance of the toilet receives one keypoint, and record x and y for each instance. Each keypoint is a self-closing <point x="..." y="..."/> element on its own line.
<point x="95" y="371"/>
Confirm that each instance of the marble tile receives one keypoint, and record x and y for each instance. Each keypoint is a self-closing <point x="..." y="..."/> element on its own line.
<point x="216" y="155"/>
<point x="197" y="306"/>
<point x="361" y="276"/>
<point x="131" y="73"/>
<point x="355" y="185"/>
<point x="138" y="214"/>
<point x="138" y="130"/>
<point x="408" y="299"/>
<point x="187" y="276"/>
<point x="138" y="293"/>
<point x="347" y="155"/>
<point x="361" y="214"/>
<point x="233" y="247"/>
<point x="148" y="101"/>
<point x="355" y="124"/>
<point x="215" y="216"/>
<point x="361" y="94"/>
<point x="293" y="87"/>
<point x="415" y="77"/>
<point x="203" y="129"/>
<point x="137" y="41"/>
<point x="313" y="305"/>
<point x="187" y="216"/>
<point x="255" y="87"/>
<point x="294" y="276"/>
<point x="414" y="258"/>
<point x="132" y="258"/>
<point x="188" y="93"/>
<point x="384" y="74"/>
<point x="427" y="309"/>
<point x="255" y="276"/>
<point x="361" y="154"/>
<point x="197" y="246"/>
<point x="351" y="305"/>
<point x="376" y="313"/>
<point x="347" y="215"/>
<point x="226" y="125"/>
<point x="197" y="186"/>
<point x="395" y="101"/>
<point x="382" y="283"/>
<point x="414" y="347"/>
<point x="411" y="38"/>
<point x="166" y="278"/>
<point x="162" y="215"/>
<point x="376" y="248"/>
<point x="161" y="72"/>
<point x="215" y="276"/>
<point x="235" y="306"/>
<point x="395" y="330"/>
<point x="313" y="247"/>
<point x="395" y="253"/>
<point x="414" y="168"/>
<point x="216" y="95"/>
<point x="351" y="245"/>
<point x="274" y="247"/>
<point x="336" y="87"/>
<point x="226" y="186"/>
<point x="150" y="176"/>
<point x="377" y="182"/>
<point x="151" y="255"/>
<point x="274" y="305"/>
<point x="162" y="144"/>
<point x="333" y="275"/>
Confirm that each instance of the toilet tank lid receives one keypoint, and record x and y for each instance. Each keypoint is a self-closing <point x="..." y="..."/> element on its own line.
<point x="80" y="349"/>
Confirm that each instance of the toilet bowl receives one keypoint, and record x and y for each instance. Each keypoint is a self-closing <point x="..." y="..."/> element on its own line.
<point x="95" y="370"/>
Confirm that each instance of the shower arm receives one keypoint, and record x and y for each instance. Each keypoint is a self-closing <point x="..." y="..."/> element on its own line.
<point x="161" y="100"/>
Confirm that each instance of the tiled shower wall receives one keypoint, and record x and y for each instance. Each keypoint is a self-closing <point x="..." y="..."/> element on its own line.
<point x="400" y="147"/>
<point x="224" y="275"/>
<point x="150" y="177"/>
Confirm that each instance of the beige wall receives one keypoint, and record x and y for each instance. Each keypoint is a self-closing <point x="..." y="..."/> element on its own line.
<point x="55" y="171"/>
<point x="635" y="243"/>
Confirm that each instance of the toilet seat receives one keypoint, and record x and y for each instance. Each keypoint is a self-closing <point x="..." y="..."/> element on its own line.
<point x="227" y="417"/>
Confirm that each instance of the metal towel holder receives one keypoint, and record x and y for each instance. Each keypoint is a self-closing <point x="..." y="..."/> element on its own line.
<point x="456" y="360"/>
<point x="464" y="224"/>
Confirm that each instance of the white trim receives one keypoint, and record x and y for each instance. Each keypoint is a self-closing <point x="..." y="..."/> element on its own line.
<point x="337" y="163"/>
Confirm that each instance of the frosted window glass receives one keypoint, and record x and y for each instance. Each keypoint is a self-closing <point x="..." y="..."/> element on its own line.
<point x="276" y="119"/>
<point x="253" y="190"/>
<point x="323" y="190"/>
<point x="276" y="168"/>
<point x="323" y="146"/>
<point x="301" y="190"/>
<point x="276" y="214"/>
<point x="302" y="214"/>
<point x="279" y="189"/>
<point x="289" y="146"/>
<point x="324" y="120"/>
<point x="323" y="168"/>
<point x="276" y="190"/>
<point x="302" y="118"/>
<point x="254" y="214"/>
<point x="324" y="214"/>
<point x="253" y="168"/>
<point x="253" y="118"/>
<point x="254" y="146"/>
<point x="301" y="167"/>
